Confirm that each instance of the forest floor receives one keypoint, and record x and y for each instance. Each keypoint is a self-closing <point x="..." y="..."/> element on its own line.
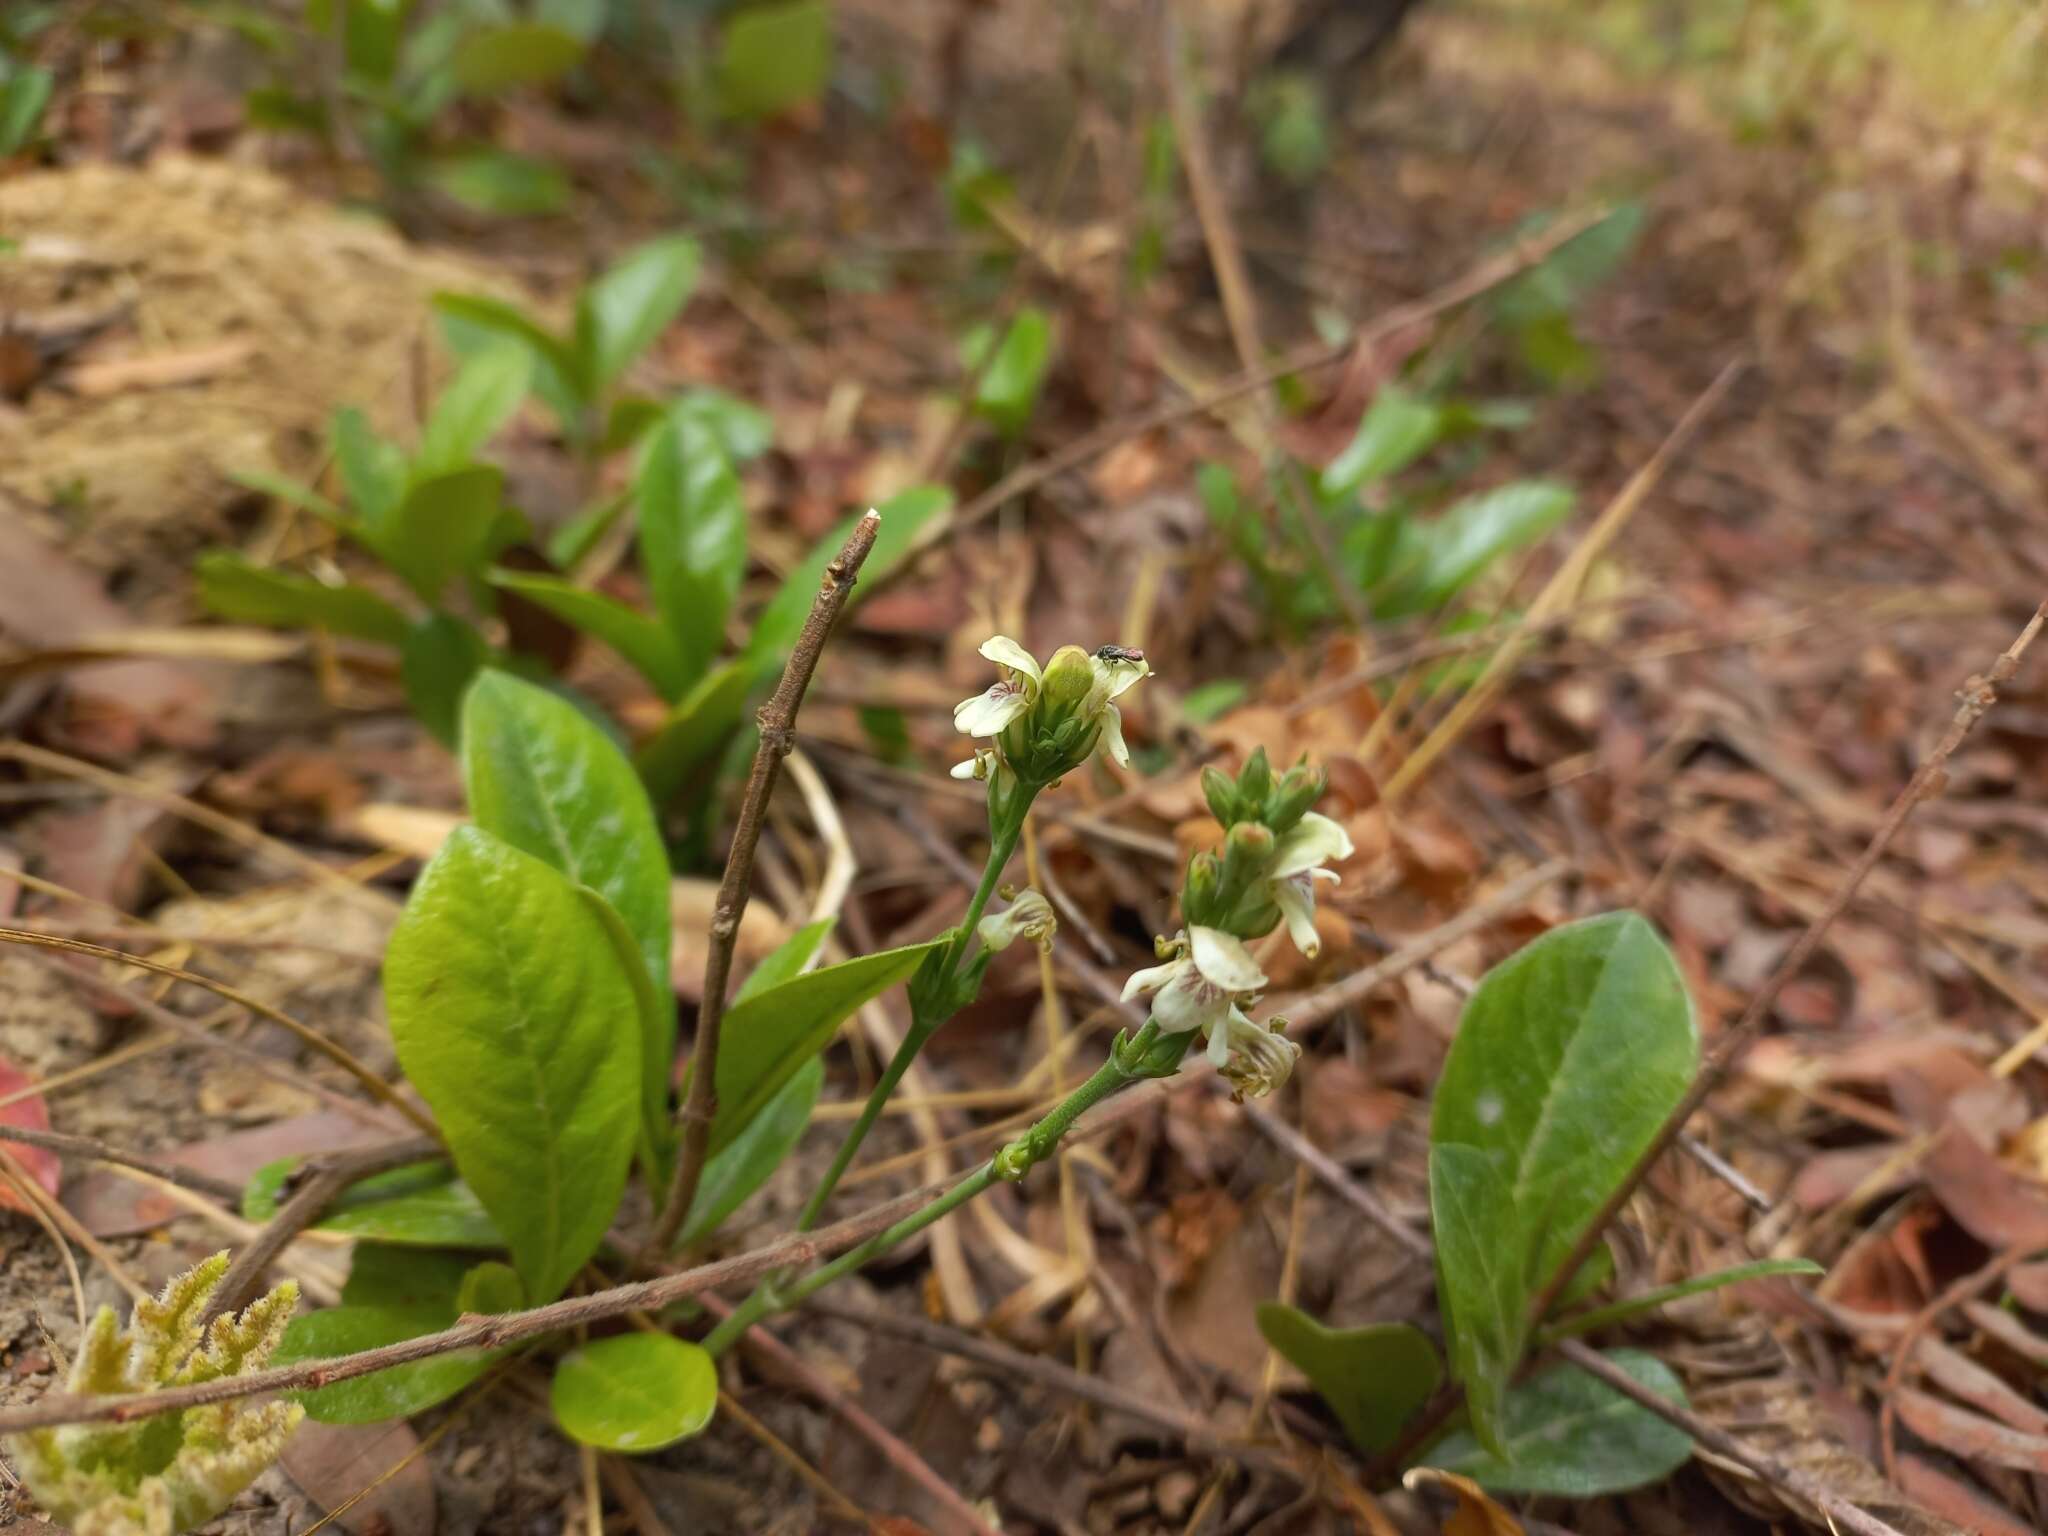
<point x="1840" y="294"/>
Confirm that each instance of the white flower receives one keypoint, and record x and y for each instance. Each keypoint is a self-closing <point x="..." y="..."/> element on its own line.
<point x="979" y="766"/>
<point x="1197" y="989"/>
<point x="1255" y="1059"/>
<point x="986" y="714"/>
<point x="1297" y="864"/>
<point x="1029" y="916"/>
<point x="1116" y="669"/>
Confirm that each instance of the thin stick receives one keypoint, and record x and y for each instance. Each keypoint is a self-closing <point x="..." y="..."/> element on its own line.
<point x="330" y="1179"/>
<point x="93" y="1147"/>
<point x="1840" y="1514"/>
<point x="20" y="1180"/>
<point x="308" y="1036"/>
<point x="777" y="720"/>
<point x="490" y="1332"/>
<point x="1978" y="695"/>
<point x="69" y="1224"/>
<point x="1346" y="1188"/>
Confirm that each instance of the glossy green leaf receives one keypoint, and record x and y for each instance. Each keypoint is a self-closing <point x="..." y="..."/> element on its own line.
<point x="699" y="726"/>
<point x="496" y="182"/>
<point x="904" y="516"/>
<point x="693" y="536"/>
<point x="1565" y="1433"/>
<point x="444" y="526"/>
<point x="471" y="323"/>
<point x="773" y="57"/>
<point x="507" y="1004"/>
<point x="1568" y="1058"/>
<point x="620" y="314"/>
<point x="767" y="1039"/>
<point x="233" y="588"/>
<point x="540" y="775"/>
<point x="441" y="655"/>
<point x="745" y="1163"/>
<point x="372" y="470"/>
<point x="744" y="431"/>
<point x="1375" y="1378"/>
<point x="479" y="400"/>
<point x="634" y="1392"/>
<point x="24" y="94"/>
<point x="787" y="960"/>
<point x="418" y="1279"/>
<point x="1664" y="1295"/>
<point x="1008" y="391"/>
<point x="1397" y="428"/>
<point x="389" y="1394"/>
<point x="1480" y="530"/>
<point x="649" y="648"/>
<point x="492" y="59"/>
<point x="421" y="1206"/>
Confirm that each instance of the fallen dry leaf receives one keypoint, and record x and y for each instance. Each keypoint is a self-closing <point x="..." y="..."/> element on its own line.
<point x="1991" y="1201"/>
<point x="1969" y="1435"/>
<point x="1476" y="1514"/>
<point x="30" y="1114"/>
<point x="332" y="1463"/>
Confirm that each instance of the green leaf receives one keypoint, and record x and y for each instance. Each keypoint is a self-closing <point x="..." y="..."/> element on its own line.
<point x="479" y="400"/>
<point x="745" y="1163"/>
<point x="495" y="181"/>
<point x="389" y="1394"/>
<point x="1397" y="429"/>
<point x="1572" y="271"/>
<point x="768" y="1037"/>
<point x="650" y="649"/>
<point x="744" y="431"/>
<point x="417" y="1278"/>
<point x="1565" y="1433"/>
<point x="1472" y="535"/>
<point x="422" y="1205"/>
<point x="440" y="656"/>
<point x="493" y="59"/>
<point x="1374" y="1378"/>
<point x="699" y="725"/>
<point x="444" y="527"/>
<point x="471" y="322"/>
<point x="904" y="516"/>
<point x="490" y="1288"/>
<point x="569" y="545"/>
<point x="620" y="314"/>
<point x="23" y="95"/>
<point x="1009" y="385"/>
<point x="634" y="1392"/>
<point x="693" y="536"/>
<point x="540" y="775"/>
<point x="774" y="57"/>
<point x="787" y="960"/>
<point x="1663" y="1295"/>
<point x="372" y="470"/>
<point x="505" y="999"/>
<point x="579" y="18"/>
<point x="1569" y="1057"/>
<point x="235" y="589"/>
<point x="1209" y="701"/>
<point x="292" y="493"/>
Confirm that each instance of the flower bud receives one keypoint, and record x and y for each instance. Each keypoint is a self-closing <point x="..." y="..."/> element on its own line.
<point x="1246" y="850"/>
<point x="1256" y="782"/>
<point x="1201" y="894"/>
<point x="1300" y="787"/>
<point x="1029" y="916"/>
<point x="1220" y="790"/>
<point x="1069" y="678"/>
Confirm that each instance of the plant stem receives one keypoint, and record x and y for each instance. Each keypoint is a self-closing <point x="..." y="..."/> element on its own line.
<point x="1125" y="1064"/>
<point x="777" y="720"/>
<point x="922" y="1028"/>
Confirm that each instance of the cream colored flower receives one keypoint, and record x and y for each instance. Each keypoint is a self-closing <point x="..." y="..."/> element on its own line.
<point x="986" y="714"/>
<point x="1255" y="1059"/>
<point x="1197" y="988"/>
<point x="1029" y="916"/>
<point x="1297" y="864"/>
<point x="1050" y="718"/>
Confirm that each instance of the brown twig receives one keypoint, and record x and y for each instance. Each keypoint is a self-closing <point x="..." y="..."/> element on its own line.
<point x="1839" y="1512"/>
<point x="1346" y="1188"/>
<point x="90" y="1146"/>
<point x="492" y="1332"/>
<point x="1978" y="695"/>
<point x="311" y="1038"/>
<point x="777" y="720"/>
<point x="323" y="1181"/>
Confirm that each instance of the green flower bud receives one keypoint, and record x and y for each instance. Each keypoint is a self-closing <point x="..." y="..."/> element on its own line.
<point x="1220" y="790"/>
<point x="1246" y="851"/>
<point x="1069" y="678"/>
<point x="1256" y="782"/>
<point x="1201" y="893"/>
<point x="1300" y="787"/>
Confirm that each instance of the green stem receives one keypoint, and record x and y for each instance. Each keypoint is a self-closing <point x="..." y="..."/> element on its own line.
<point x="1003" y="843"/>
<point x="1144" y="1056"/>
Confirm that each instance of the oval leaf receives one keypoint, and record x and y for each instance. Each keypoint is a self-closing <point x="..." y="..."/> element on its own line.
<point x="479" y="400"/>
<point x="236" y="589"/>
<point x="508" y="1008"/>
<point x="1398" y="427"/>
<point x="634" y="1392"/>
<point x="646" y="646"/>
<point x="747" y="1161"/>
<point x="693" y="535"/>
<point x="499" y="58"/>
<point x="389" y="1394"/>
<point x="1565" y="1433"/>
<point x="1374" y="1378"/>
<point x="619" y="315"/>
<point x="439" y="657"/>
<point x="774" y="57"/>
<point x="1568" y="1058"/>
<point x="1463" y="542"/>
